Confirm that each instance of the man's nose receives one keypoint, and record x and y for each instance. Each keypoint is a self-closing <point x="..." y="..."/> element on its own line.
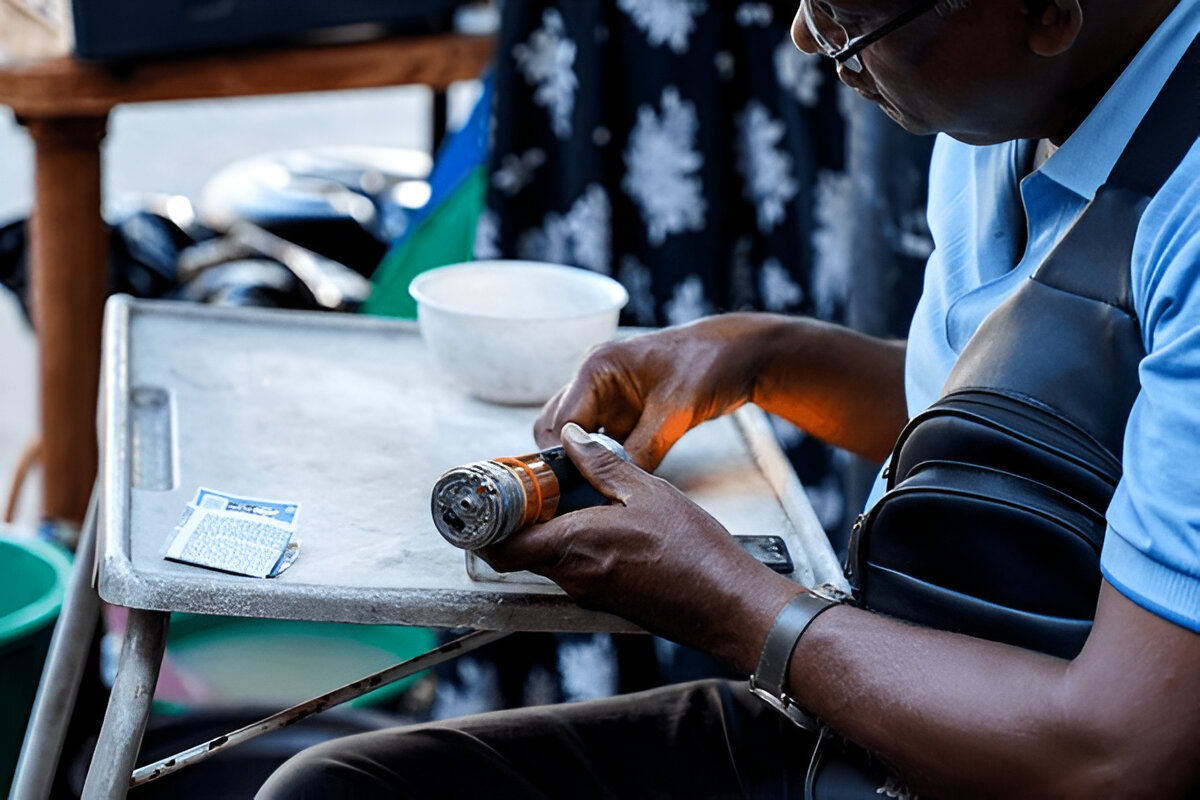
<point x="800" y="33"/>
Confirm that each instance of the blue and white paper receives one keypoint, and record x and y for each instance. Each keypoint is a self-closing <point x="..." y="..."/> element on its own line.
<point x="242" y="535"/>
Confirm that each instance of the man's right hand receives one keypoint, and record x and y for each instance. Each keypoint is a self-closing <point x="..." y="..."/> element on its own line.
<point x="650" y="390"/>
<point x="840" y="386"/>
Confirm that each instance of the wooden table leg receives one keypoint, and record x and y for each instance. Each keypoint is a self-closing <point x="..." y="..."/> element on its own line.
<point x="68" y="264"/>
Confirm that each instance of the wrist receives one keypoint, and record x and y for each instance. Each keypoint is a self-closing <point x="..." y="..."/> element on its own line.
<point x="772" y="350"/>
<point x="751" y="346"/>
<point x="750" y="614"/>
<point x="769" y="681"/>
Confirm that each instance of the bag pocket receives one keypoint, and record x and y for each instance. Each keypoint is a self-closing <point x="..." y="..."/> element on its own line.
<point x="983" y="552"/>
<point x="1010" y="433"/>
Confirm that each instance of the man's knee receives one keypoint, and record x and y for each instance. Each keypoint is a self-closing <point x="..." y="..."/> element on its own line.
<point x="392" y="764"/>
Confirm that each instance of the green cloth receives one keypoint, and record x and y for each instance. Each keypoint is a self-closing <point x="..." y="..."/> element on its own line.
<point x="446" y="236"/>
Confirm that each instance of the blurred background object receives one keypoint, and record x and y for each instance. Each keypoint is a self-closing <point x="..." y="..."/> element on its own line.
<point x="127" y="29"/>
<point x="156" y="151"/>
<point x="347" y="203"/>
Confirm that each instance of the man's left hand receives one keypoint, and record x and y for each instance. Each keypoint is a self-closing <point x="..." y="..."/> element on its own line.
<point x="653" y="556"/>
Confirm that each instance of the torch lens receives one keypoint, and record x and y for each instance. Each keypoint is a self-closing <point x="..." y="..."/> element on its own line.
<point x="477" y="504"/>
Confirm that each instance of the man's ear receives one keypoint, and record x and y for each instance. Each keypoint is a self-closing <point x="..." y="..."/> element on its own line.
<point x="1053" y="25"/>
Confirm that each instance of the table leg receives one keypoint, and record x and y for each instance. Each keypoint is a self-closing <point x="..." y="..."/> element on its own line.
<point x="128" y="705"/>
<point x="68" y="264"/>
<point x="62" y="674"/>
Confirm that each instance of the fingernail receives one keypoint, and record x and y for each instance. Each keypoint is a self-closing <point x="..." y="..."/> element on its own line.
<point x="575" y="434"/>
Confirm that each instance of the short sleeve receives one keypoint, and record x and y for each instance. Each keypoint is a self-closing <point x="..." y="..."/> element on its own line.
<point x="1152" y="549"/>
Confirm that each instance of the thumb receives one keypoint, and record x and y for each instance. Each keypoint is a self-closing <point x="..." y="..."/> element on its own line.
<point x="602" y="468"/>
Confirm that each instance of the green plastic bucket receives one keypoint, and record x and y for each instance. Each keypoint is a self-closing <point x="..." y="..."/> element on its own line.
<point x="219" y="661"/>
<point x="33" y="580"/>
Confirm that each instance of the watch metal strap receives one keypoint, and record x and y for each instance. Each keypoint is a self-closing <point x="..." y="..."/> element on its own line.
<point x="769" y="681"/>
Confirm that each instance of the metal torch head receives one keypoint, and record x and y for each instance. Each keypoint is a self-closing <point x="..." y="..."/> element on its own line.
<point x="477" y="504"/>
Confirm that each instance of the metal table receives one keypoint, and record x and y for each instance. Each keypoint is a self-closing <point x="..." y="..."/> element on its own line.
<point x="349" y="417"/>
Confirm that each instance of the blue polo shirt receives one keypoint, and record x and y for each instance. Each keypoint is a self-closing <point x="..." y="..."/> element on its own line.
<point x="991" y="229"/>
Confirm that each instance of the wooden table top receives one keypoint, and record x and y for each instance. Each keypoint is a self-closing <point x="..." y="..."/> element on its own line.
<point x="66" y="87"/>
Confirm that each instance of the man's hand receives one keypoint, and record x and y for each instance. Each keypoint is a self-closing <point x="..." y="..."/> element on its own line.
<point x="838" y="385"/>
<point x="648" y="391"/>
<point x="653" y="557"/>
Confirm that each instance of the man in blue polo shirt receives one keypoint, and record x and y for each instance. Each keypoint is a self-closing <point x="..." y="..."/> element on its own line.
<point x="1036" y="100"/>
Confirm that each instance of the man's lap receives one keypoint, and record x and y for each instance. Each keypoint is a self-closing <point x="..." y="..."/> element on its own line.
<point x="703" y="739"/>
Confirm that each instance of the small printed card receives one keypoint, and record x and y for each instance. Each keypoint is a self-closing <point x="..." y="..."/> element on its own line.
<point x="242" y="535"/>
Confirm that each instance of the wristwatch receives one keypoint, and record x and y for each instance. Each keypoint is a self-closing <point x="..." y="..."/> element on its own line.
<point x="769" y="681"/>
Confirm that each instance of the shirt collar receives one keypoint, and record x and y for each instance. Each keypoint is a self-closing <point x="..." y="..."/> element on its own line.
<point x="1085" y="159"/>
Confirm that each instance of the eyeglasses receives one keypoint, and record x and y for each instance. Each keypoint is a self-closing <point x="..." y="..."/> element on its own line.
<point x="836" y="43"/>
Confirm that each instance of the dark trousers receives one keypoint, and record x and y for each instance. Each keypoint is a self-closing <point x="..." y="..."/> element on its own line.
<point x="709" y="739"/>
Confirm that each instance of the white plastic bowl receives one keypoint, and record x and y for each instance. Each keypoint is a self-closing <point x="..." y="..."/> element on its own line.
<point x="514" y="332"/>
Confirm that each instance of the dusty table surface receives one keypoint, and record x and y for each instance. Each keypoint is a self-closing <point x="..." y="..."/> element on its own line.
<point x="349" y="417"/>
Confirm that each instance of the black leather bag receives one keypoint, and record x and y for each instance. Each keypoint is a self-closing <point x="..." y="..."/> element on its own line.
<point x="993" y="519"/>
<point x="994" y="525"/>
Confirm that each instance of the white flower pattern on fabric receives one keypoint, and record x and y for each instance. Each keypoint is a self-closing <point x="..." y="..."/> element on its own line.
<point x="895" y="788"/>
<point x="913" y="239"/>
<point x="661" y="162"/>
<point x="541" y="687"/>
<point x="799" y="73"/>
<point x="548" y="243"/>
<point x="487" y="236"/>
<point x="749" y="14"/>
<point x="476" y="691"/>
<point x="547" y="61"/>
<point x="833" y="206"/>
<point x="580" y="237"/>
<point x="778" y="290"/>
<point x="590" y="223"/>
<point x="588" y="668"/>
<point x="669" y="21"/>
<point x="766" y="168"/>
<point x="688" y="302"/>
<point x="516" y="171"/>
<point x="639" y="282"/>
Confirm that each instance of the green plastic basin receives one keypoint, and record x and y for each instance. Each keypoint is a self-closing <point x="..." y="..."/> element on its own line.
<point x="33" y="580"/>
<point x="233" y="661"/>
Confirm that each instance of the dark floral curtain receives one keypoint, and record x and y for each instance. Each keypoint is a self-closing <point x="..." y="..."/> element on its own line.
<point x="685" y="147"/>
